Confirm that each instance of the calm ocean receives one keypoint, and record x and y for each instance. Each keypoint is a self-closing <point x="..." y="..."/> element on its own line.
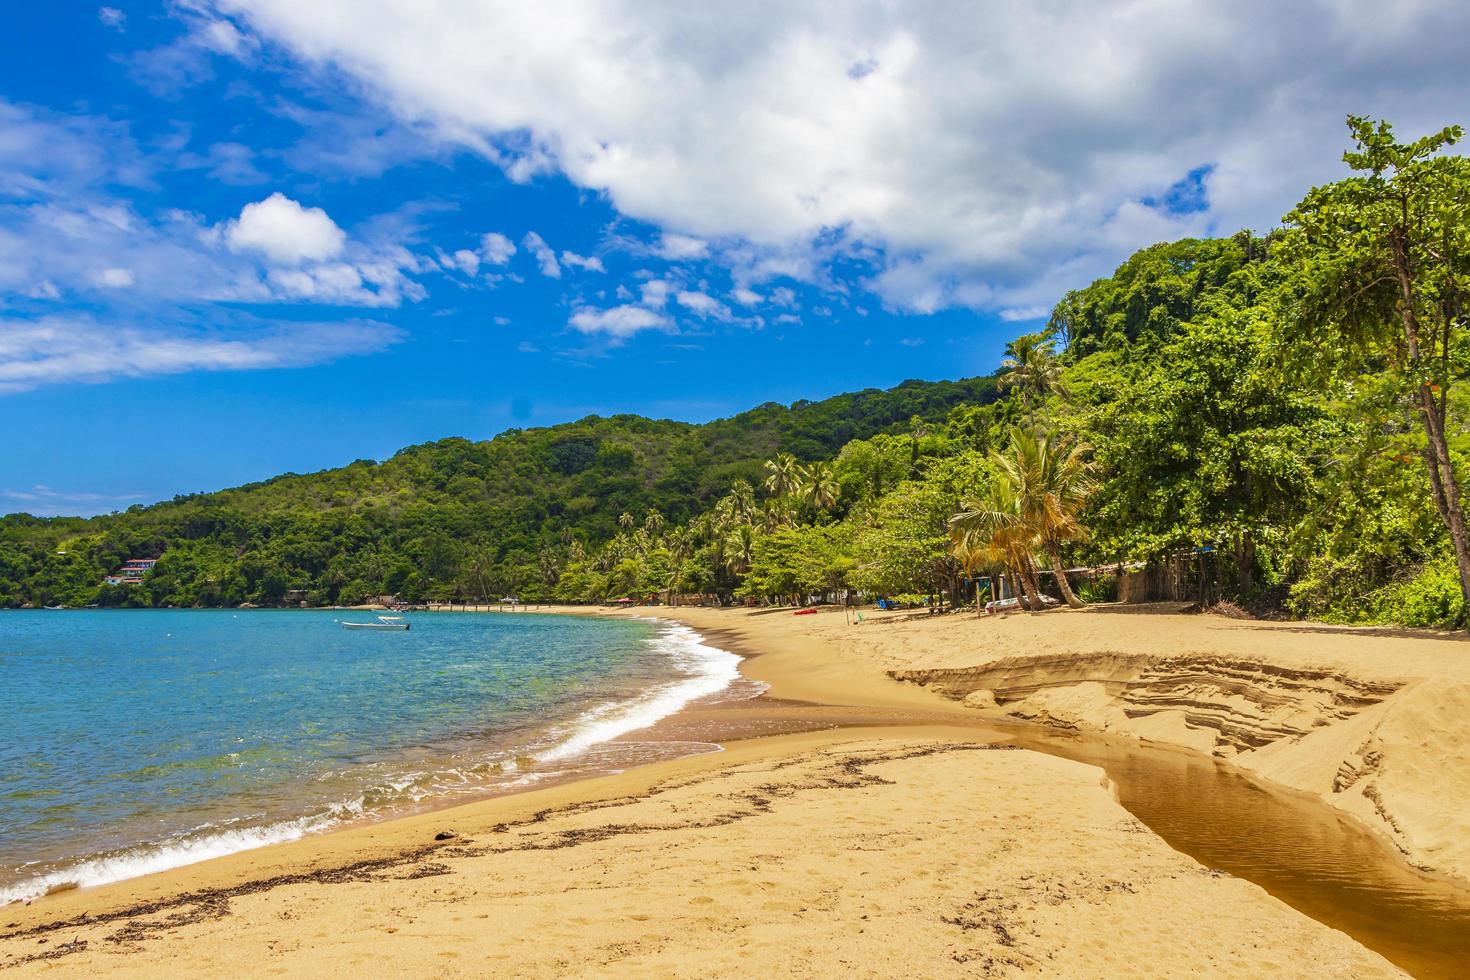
<point x="134" y="741"/>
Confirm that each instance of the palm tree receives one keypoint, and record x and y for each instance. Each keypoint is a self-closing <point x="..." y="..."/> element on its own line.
<point x="819" y="489"/>
<point x="976" y="555"/>
<point x="785" y="474"/>
<point x="996" y="529"/>
<point x="1051" y="479"/>
<point x="740" y="548"/>
<point x="550" y="568"/>
<point x="740" y="501"/>
<point x="626" y="519"/>
<point x="654" y="521"/>
<point x="1031" y="366"/>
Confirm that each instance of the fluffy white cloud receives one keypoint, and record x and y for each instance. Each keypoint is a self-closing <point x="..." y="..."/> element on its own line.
<point x="679" y="248"/>
<point x="285" y="232"/>
<point x="57" y="350"/>
<point x="496" y="249"/>
<point x="702" y="303"/>
<point x="112" y="17"/>
<point x="655" y="293"/>
<point x="66" y="230"/>
<point x="618" y="322"/>
<point x="997" y="154"/>
<point x="545" y="257"/>
<point x="463" y="259"/>
<point x="589" y="263"/>
<point x="747" y="297"/>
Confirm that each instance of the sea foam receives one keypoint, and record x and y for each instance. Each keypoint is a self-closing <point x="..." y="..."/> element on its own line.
<point x="709" y="670"/>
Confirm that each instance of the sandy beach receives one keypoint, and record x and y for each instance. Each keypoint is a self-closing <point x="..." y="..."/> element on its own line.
<point x="862" y="819"/>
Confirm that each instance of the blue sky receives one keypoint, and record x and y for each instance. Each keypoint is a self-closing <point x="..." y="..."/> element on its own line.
<point x="250" y="236"/>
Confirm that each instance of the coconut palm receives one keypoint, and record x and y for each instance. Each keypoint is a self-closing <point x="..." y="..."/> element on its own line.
<point x="739" y="503"/>
<point x="975" y="555"/>
<point x="549" y="567"/>
<point x="626" y="519"/>
<point x="1031" y="367"/>
<point x="654" y="521"/>
<point x="1053" y="479"/>
<point x="996" y="529"/>
<point x="785" y="475"/>
<point x="1045" y="481"/>
<point x="740" y="548"/>
<point x="819" y="488"/>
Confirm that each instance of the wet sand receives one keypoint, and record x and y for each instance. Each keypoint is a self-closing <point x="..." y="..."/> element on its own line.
<point x="887" y="837"/>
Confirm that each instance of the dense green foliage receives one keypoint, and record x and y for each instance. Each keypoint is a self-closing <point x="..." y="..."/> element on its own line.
<point x="1287" y="405"/>
<point x="450" y="518"/>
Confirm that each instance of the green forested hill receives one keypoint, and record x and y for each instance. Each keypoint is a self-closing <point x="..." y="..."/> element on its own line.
<point x="1281" y="419"/>
<point x="452" y="517"/>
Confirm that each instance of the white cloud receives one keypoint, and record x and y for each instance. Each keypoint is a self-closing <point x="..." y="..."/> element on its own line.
<point x="228" y="163"/>
<point x="747" y="297"/>
<point x="655" y="293"/>
<point x="60" y="350"/>
<point x="587" y="263"/>
<point x="1018" y="314"/>
<point x="618" y="322"/>
<point x="996" y="156"/>
<point x="678" y="248"/>
<point x="112" y="17"/>
<point x="285" y="232"/>
<point x="545" y="257"/>
<point x="702" y="303"/>
<point x="461" y="260"/>
<point x="113" y="278"/>
<point x="496" y="249"/>
<point x="223" y="37"/>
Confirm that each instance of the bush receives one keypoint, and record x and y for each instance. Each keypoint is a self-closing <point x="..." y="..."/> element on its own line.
<point x="1340" y="592"/>
<point x="1431" y="598"/>
<point x="1097" y="590"/>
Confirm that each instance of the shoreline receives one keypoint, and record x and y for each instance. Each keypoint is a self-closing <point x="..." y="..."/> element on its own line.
<point x="589" y="742"/>
<point x="813" y="703"/>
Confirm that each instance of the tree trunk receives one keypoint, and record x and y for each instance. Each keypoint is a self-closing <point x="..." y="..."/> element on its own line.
<point x="1055" y="555"/>
<point x="1446" y="488"/>
<point x="1028" y="582"/>
<point x="1441" y="470"/>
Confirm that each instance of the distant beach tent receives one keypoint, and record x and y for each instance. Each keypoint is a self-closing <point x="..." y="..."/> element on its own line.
<point x="624" y="601"/>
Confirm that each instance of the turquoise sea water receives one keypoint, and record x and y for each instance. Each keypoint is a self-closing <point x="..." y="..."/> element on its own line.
<point x="132" y="741"/>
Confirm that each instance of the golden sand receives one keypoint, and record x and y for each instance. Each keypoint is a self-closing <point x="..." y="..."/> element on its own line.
<point x="912" y="849"/>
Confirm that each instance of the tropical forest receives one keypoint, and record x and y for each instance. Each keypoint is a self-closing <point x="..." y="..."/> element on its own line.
<point x="1277" y="412"/>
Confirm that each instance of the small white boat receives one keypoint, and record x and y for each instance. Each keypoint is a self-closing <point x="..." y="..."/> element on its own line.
<point x="383" y="623"/>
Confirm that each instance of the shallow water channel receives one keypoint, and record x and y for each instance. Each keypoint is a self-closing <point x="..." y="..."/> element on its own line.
<point x="1297" y="848"/>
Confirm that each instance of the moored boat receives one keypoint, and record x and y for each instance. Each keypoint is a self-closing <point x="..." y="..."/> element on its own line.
<point x="383" y="623"/>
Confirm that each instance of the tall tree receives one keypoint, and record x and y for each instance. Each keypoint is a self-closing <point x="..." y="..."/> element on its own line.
<point x="1383" y="263"/>
<point x="997" y="525"/>
<point x="784" y="475"/>
<point x="819" y="488"/>
<point x="1051" y="479"/>
<point x="1031" y="367"/>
